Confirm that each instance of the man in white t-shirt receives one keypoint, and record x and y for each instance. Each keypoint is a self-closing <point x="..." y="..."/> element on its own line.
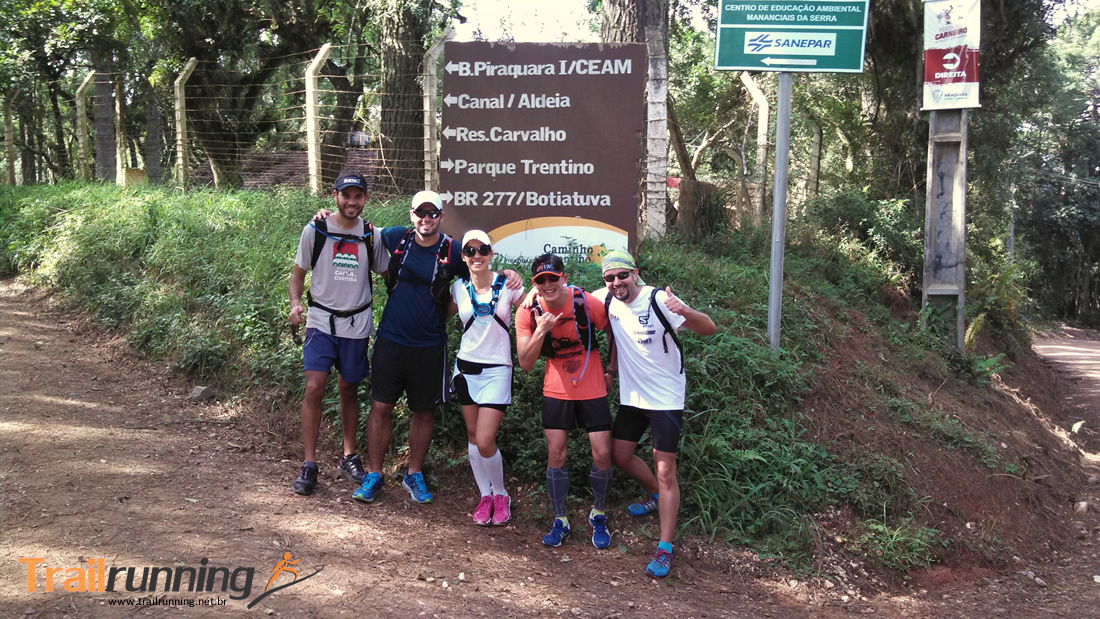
<point x="341" y="252"/>
<point x="652" y="386"/>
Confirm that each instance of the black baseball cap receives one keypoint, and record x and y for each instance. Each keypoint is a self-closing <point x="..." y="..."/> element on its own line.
<point x="548" y="263"/>
<point x="350" y="180"/>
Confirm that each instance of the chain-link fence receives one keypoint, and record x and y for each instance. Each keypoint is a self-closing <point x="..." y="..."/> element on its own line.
<point x="210" y="125"/>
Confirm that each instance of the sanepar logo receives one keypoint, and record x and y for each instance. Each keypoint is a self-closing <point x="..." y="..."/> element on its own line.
<point x="758" y="43"/>
<point x="791" y="43"/>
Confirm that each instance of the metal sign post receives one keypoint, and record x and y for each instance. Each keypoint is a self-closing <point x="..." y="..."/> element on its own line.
<point x="800" y="36"/>
<point x="779" y="206"/>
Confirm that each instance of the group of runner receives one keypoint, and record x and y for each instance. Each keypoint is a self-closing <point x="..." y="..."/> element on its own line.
<point x="430" y="278"/>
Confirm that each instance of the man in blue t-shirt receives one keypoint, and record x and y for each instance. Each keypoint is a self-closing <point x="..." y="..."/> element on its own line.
<point x="410" y="347"/>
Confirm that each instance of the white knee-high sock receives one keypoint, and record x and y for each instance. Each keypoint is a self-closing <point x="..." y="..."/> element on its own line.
<point x="494" y="465"/>
<point x="477" y="465"/>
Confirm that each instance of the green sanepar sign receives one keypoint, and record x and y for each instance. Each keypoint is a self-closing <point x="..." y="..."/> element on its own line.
<point x="803" y="36"/>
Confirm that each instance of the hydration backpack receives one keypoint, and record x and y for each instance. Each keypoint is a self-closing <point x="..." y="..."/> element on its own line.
<point x="322" y="234"/>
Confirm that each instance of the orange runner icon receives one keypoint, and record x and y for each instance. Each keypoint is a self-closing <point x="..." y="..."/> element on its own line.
<point x="283" y="566"/>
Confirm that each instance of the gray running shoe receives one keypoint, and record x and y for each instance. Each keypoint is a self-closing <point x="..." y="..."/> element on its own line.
<point x="350" y="467"/>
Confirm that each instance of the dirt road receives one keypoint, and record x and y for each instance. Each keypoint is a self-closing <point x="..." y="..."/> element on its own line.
<point x="102" y="456"/>
<point x="1074" y="355"/>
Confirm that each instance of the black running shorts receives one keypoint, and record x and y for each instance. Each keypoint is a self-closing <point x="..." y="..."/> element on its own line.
<point x="631" y="423"/>
<point x="416" y="372"/>
<point x="592" y="415"/>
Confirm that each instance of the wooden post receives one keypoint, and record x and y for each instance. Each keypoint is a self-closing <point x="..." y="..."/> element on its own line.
<point x="313" y="121"/>
<point x="9" y="137"/>
<point x="656" y="175"/>
<point x="945" y="220"/>
<point x="761" y="102"/>
<point x="431" y="110"/>
<point x="120" y="133"/>
<point x="85" y="156"/>
<point x="182" y="142"/>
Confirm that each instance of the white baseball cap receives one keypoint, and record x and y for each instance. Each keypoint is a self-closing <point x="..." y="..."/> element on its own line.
<point x="427" y="197"/>
<point x="476" y="235"/>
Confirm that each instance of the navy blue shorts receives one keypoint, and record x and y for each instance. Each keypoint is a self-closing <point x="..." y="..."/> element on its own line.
<point x="631" y="423"/>
<point x="322" y="351"/>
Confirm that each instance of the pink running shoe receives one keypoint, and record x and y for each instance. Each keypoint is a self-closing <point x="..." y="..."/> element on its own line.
<point x="502" y="509"/>
<point x="483" y="513"/>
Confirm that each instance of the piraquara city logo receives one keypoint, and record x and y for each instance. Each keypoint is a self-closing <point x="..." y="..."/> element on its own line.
<point x="96" y="576"/>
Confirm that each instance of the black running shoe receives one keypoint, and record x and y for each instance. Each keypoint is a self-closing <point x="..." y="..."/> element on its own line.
<point x="350" y="467"/>
<point x="307" y="479"/>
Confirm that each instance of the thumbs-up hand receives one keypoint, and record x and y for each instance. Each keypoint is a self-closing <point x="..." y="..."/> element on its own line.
<point x="673" y="302"/>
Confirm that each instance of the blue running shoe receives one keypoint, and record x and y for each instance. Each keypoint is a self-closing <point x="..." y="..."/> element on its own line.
<point x="417" y="488"/>
<point x="660" y="565"/>
<point x="557" y="535"/>
<point x="644" y="508"/>
<point x="372" y="483"/>
<point x="601" y="537"/>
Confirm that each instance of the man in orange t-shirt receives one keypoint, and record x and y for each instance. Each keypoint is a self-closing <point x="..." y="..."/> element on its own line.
<point x="561" y="326"/>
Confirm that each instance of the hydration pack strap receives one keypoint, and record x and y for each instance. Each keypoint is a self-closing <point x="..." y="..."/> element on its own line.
<point x="669" y="331"/>
<point x="334" y="314"/>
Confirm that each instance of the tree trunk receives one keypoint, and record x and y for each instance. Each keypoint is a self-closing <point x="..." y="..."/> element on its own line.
<point x="103" y="110"/>
<point x="60" y="150"/>
<point x="334" y="143"/>
<point x="815" y="159"/>
<point x="27" y="157"/>
<point x="687" y="170"/>
<point x="403" y="33"/>
<point x="623" y="21"/>
<point x="40" y="143"/>
<point x="226" y="170"/>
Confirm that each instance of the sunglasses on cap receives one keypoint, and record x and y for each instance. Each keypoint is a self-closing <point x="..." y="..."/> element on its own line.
<point x="432" y="214"/>
<point x="546" y="278"/>
<point x="481" y="250"/>
<point x="620" y="275"/>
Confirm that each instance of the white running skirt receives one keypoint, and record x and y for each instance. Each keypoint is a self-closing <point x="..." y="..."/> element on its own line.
<point x="491" y="386"/>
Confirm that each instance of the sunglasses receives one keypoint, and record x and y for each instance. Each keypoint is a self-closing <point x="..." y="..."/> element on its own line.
<point x="614" y="276"/>
<point x="428" y="214"/>
<point x="546" y="279"/>
<point x="482" y="250"/>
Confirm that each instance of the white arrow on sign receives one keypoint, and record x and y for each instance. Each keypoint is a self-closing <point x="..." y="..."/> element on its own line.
<point x="446" y="196"/>
<point x="808" y="62"/>
<point x="447" y="164"/>
<point x="450" y="67"/>
<point x="450" y="100"/>
<point x="449" y="133"/>
<point x="951" y="61"/>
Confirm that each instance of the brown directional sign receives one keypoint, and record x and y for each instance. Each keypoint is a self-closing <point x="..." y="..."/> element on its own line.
<point x="542" y="144"/>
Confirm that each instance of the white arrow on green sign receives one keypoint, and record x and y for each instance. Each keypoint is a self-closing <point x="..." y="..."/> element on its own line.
<point x="802" y="35"/>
